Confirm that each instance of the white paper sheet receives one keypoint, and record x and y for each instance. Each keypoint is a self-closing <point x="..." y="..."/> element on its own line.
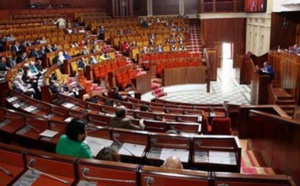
<point x="129" y="149"/>
<point x="96" y="144"/>
<point x="219" y="154"/>
<point x="11" y="99"/>
<point x="222" y="157"/>
<point x="182" y="154"/>
<point x="16" y="105"/>
<point x="68" y="119"/>
<point x="30" y="108"/>
<point x="68" y="105"/>
<point x="49" y="133"/>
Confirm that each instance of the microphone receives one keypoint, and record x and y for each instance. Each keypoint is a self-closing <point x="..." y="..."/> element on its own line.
<point x="6" y="172"/>
<point x="115" y="136"/>
<point x="85" y="171"/>
<point x="169" y="145"/>
<point x="33" y="161"/>
<point x="29" y="125"/>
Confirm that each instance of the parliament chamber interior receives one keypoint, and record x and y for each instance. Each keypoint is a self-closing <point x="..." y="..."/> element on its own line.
<point x="228" y="119"/>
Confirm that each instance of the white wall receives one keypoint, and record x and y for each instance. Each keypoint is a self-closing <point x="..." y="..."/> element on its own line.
<point x="258" y="33"/>
<point x="285" y="5"/>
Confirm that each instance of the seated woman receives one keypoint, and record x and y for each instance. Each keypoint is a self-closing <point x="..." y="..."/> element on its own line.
<point x="109" y="154"/>
<point x="72" y="142"/>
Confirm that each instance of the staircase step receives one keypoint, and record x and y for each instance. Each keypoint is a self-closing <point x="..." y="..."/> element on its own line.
<point x="286" y="101"/>
<point x="280" y="93"/>
<point x="289" y="112"/>
<point x="287" y="106"/>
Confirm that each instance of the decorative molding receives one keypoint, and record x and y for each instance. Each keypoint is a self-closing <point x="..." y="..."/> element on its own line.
<point x="222" y="15"/>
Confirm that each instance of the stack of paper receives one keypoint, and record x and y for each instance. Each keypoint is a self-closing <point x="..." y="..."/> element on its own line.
<point x="49" y="133"/>
<point x="96" y="144"/>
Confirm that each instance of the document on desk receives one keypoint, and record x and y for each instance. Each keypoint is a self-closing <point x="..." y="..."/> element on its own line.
<point x="97" y="144"/>
<point x="30" y="108"/>
<point x="129" y="148"/>
<point x="28" y="178"/>
<point x="16" y="105"/>
<point x="68" y="105"/>
<point x="49" y="133"/>
<point x="11" y="99"/>
<point x="222" y="157"/>
<point x="68" y="119"/>
<point x="182" y="154"/>
<point x="4" y="123"/>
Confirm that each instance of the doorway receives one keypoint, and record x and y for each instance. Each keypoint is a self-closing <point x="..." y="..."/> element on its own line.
<point x="226" y="60"/>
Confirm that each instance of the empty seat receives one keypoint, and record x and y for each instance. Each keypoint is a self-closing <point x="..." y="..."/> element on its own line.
<point x="221" y="126"/>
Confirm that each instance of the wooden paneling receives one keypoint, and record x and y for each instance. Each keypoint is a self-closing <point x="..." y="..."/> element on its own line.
<point x="284" y="36"/>
<point x="211" y="58"/>
<point x="191" y="7"/>
<point x="277" y="142"/>
<point x="259" y="89"/>
<point x="122" y="8"/>
<point x="140" y="7"/>
<point x="15" y="4"/>
<point x="225" y="30"/>
<point x="142" y="83"/>
<point x="176" y="76"/>
<point x="286" y="68"/>
<point x="165" y="7"/>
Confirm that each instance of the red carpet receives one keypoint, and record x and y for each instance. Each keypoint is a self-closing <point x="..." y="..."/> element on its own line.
<point x="194" y="44"/>
<point x="249" y="165"/>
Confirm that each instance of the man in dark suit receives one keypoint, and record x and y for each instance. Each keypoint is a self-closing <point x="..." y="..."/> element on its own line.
<point x="34" y="53"/>
<point x="11" y="62"/>
<point x="48" y="49"/>
<point x="21" y="57"/>
<point x="15" y="48"/>
<point x="121" y="120"/>
<point x="3" y="66"/>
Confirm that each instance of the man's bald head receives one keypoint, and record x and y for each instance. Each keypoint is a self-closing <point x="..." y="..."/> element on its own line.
<point x="172" y="162"/>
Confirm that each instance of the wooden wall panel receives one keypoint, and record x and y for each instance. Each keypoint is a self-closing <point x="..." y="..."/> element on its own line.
<point x="225" y="30"/>
<point x="284" y="36"/>
<point x="15" y="4"/>
<point x="191" y="7"/>
<point x="165" y="7"/>
<point x="277" y="142"/>
<point x="286" y="71"/>
<point x="184" y="75"/>
<point x="80" y="3"/>
<point x="140" y="7"/>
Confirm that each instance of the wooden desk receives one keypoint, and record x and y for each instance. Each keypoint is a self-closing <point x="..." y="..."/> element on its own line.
<point x="11" y="160"/>
<point x="142" y="83"/>
<point x="164" y="145"/>
<point x="189" y="75"/>
<point x="175" y="177"/>
<point x="48" y="163"/>
<point x="131" y="145"/>
<point x="106" y="173"/>
<point x="30" y="133"/>
<point x="219" y="153"/>
<point x="235" y="179"/>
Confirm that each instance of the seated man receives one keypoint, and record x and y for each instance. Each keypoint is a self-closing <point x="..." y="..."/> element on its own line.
<point x="172" y="162"/>
<point x="122" y="120"/>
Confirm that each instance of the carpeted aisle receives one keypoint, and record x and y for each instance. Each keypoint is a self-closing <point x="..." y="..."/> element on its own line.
<point x="194" y="44"/>
<point x="249" y="165"/>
